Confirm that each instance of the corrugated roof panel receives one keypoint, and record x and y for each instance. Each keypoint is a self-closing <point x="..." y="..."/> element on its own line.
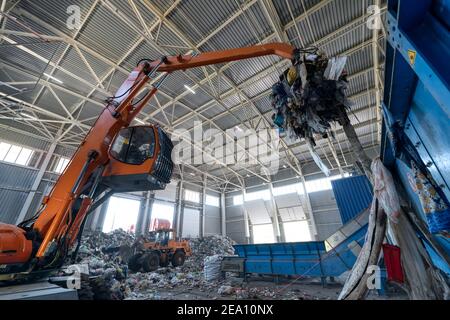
<point x="264" y="104"/>
<point x="197" y="20"/>
<point x="56" y="15"/>
<point x="164" y="5"/>
<point x="261" y="85"/>
<point x="296" y="7"/>
<point x="240" y="32"/>
<point x="107" y="34"/>
<point x="213" y="111"/>
<point x="243" y="70"/>
<point x="198" y="99"/>
<point x="360" y="83"/>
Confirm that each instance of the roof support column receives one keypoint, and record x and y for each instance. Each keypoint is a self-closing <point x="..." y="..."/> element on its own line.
<point x="143" y="223"/>
<point x="203" y="213"/>
<point x="102" y="215"/>
<point x="275" y="217"/>
<point x="178" y="210"/>
<point x="223" y="217"/>
<point x="246" y="219"/>
<point x="376" y="71"/>
<point x="309" y="210"/>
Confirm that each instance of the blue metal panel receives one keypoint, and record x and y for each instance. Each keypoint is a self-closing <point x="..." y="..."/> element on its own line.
<point x="306" y="259"/>
<point x="353" y="195"/>
<point x="417" y="96"/>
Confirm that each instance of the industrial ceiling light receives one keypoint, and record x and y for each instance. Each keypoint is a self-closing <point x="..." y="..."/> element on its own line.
<point x="139" y="120"/>
<point x="189" y="89"/>
<point x="53" y="78"/>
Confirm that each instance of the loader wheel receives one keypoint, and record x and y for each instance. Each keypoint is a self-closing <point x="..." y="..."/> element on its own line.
<point x="151" y="262"/>
<point x="164" y="261"/>
<point x="134" y="264"/>
<point x="178" y="258"/>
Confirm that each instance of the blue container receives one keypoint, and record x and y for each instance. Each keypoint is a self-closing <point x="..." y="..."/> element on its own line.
<point x="306" y="259"/>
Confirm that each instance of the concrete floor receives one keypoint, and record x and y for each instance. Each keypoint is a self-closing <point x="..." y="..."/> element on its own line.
<point x="266" y="289"/>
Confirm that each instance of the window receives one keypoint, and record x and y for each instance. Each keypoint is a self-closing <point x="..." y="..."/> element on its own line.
<point x="162" y="211"/>
<point x="212" y="201"/>
<point x="15" y="154"/>
<point x="263" y="195"/>
<point x="263" y="233"/>
<point x="322" y="184"/>
<point x="61" y="165"/>
<point x="134" y="145"/>
<point x="192" y="196"/>
<point x="318" y="185"/>
<point x="297" y="231"/>
<point x="122" y="214"/>
<point x="24" y="156"/>
<point x="292" y="188"/>
<point x="238" y="200"/>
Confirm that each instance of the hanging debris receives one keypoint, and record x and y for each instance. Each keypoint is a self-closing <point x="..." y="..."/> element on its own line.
<point x="309" y="97"/>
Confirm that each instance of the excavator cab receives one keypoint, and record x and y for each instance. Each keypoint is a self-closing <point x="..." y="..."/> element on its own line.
<point x="140" y="159"/>
<point x="134" y="145"/>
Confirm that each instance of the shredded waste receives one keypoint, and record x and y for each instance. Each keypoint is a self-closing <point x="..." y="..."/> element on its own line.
<point x="113" y="280"/>
<point x="309" y="97"/>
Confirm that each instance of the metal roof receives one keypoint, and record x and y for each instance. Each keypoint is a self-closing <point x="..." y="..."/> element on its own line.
<point x="88" y="64"/>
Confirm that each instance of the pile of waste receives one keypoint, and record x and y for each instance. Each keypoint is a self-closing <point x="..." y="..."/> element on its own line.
<point x="309" y="96"/>
<point x="113" y="280"/>
<point x="108" y="267"/>
<point x="189" y="276"/>
<point x="207" y="247"/>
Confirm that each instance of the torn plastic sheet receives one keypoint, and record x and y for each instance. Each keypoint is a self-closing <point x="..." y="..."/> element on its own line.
<point x="335" y="68"/>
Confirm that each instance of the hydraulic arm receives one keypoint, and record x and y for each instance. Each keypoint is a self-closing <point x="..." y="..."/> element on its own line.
<point x="43" y="242"/>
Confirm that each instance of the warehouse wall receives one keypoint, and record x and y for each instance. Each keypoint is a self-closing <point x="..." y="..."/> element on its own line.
<point x="15" y="184"/>
<point x="212" y="216"/>
<point x="16" y="181"/>
<point x="323" y="203"/>
<point x="326" y="213"/>
<point x="235" y="224"/>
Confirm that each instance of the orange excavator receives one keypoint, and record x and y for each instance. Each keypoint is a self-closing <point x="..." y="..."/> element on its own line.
<point x="113" y="157"/>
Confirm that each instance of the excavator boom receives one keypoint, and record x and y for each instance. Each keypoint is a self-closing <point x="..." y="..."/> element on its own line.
<point x="43" y="242"/>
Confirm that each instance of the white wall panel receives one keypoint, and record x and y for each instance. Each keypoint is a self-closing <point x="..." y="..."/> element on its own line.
<point x="191" y="223"/>
<point x="292" y="214"/>
<point x="168" y="194"/>
<point x="288" y="200"/>
<point x="258" y="212"/>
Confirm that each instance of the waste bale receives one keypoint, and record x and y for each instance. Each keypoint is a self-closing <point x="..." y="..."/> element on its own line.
<point x="211" y="268"/>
